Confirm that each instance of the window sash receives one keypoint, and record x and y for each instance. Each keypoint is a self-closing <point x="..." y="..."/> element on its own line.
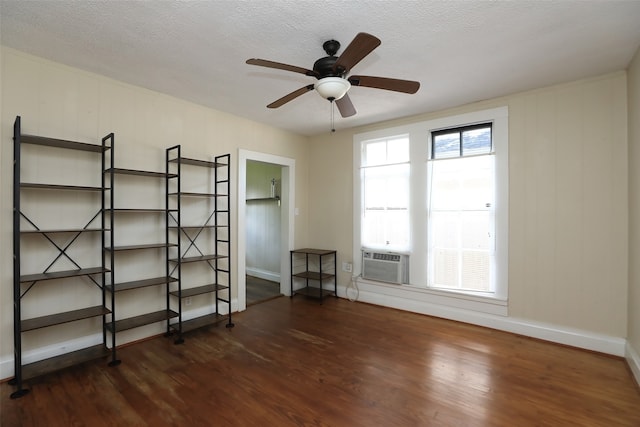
<point x="461" y="251"/>
<point x="461" y="141"/>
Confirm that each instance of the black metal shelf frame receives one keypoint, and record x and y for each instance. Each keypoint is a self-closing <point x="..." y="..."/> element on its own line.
<point x="28" y="281"/>
<point x="310" y="276"/>
<point x="111" y="250"/>
<point x="176" y="232"/>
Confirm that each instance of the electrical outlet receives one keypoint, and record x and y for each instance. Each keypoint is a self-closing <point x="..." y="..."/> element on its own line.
<point x="187" y="301"/>
<point x="347" y="266"/>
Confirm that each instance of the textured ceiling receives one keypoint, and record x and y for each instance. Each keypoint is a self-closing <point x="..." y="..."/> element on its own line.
<point x="460" y="51"/>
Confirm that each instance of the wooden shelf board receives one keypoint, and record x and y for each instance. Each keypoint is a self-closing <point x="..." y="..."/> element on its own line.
<point x="191" y="194"/>
<point x="136" y="210"/>
<point x="199" y="258"/>
<point x="145" y="246"/>
<point x="136" y="284"/>
<point x="313" y="275"/>
<point x="61" y="143"/>
<point x="70" y="230"/>
<point x="153" y="174"/>
<point x="313" y="251"/>
<point x="314" y="292"/>
<point x="62" y="274"/>
<point x="53" y="364"/>
<point x="199" y="322"/>
<point x="197" y="227"/>
<point x="144" y="319"/>
<point x="37" y="186"/>
<point x="59" y="318"/>
<point x="199" y="290"/>
<point x="196" y="162"/>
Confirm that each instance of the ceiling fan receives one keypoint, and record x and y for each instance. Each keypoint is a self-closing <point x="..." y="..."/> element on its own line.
<point x="331" y="72"/>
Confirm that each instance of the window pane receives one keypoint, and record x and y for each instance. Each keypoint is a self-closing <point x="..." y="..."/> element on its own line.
<point x="460" y="222"/>
<point x="385" y="152"/>
<point x="445" y="185"/>
<point x="446" y="145"/>
<point x="476" y="176"/>
<point x="445" y="229"/>
<point x="385" y="222"/>
<point x="446" y="268"/>
<point x="375" y="153"/>
<point x="398" y="150"/>
<point x="475" y="231"/>
<point x="476" y="141"/>
<point x="475" y="270"/>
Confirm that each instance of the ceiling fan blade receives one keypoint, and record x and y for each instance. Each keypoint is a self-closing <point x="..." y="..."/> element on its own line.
<point x="290" y="97"/>
<point x="362" y="45"/>
<point x="280" y="66"/>
<point x="345" y="106"/>
<point x="406" y="86"/>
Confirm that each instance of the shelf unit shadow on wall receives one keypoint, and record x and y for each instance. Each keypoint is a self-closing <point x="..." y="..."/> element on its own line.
<point x="133" y="223"/>
<point x="198" y="194"/>
<point x="43" y="213"/>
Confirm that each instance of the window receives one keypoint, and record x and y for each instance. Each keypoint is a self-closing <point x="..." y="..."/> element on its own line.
<point x="385" y="193"/>
<point x="438" y="191"/>
<point x="460" y="209"/>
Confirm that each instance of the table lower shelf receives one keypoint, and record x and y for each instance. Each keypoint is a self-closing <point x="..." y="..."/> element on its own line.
<point x="314" y="292"/>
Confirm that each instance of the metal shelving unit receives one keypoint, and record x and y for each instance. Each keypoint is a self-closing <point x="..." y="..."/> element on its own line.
<point x="313" y="275"/>
<point x="207" y="242"/>
<point x="126" y="290"/>
<point x="25" y="227"/>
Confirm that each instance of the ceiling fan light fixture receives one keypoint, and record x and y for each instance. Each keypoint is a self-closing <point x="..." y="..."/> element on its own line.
<point x="332" y="88"/>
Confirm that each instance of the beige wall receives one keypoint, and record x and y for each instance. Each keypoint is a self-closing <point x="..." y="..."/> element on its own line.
<point x="567" y="209"/>
<point x="63" y="102"/>
<point x="633" y="335"/>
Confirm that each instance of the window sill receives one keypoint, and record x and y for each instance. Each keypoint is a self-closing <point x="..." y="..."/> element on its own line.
<point x="435" y="297"/>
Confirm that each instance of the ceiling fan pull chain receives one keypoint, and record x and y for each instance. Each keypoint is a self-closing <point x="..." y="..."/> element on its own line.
<point x="333" y="110"/>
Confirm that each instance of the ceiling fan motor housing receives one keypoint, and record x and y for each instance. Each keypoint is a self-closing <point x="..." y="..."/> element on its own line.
<point x="324" y="67"/>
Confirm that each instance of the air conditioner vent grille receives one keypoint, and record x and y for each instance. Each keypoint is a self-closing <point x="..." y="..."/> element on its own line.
<point x="386" y="257"/>
<point x="385" y="267"/>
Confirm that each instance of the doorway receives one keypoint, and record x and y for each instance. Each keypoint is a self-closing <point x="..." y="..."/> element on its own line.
<point x="260" y="192"/>
<point x="262" y="231"/>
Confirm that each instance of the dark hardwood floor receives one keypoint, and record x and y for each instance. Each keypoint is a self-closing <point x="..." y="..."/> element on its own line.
<point x="293" y="362"/>
<point x="260" y="290"/>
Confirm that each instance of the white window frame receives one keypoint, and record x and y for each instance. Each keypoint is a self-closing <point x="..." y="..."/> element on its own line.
<point x="420" y="144"/>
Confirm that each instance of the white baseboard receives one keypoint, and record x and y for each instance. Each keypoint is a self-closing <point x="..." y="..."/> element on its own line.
<point x="263" y="274"/>
<point x="633" y="359"/>
<point x="548" y="332"/>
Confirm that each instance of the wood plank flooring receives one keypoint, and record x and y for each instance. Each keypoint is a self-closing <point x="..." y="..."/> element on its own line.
<point x="293" y="362"/>
<point x="260" y="290"/>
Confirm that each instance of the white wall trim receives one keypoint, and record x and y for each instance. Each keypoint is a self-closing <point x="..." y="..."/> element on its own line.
<point x="260" y="273"/>
<point x="544" y="331"/>
<point x="633" y="359"/>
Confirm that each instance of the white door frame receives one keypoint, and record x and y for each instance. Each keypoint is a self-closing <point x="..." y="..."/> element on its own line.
<point x="286" y="219"/>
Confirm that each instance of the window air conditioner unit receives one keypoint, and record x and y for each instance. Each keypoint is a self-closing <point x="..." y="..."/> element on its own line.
<point x="386" y="267"/>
